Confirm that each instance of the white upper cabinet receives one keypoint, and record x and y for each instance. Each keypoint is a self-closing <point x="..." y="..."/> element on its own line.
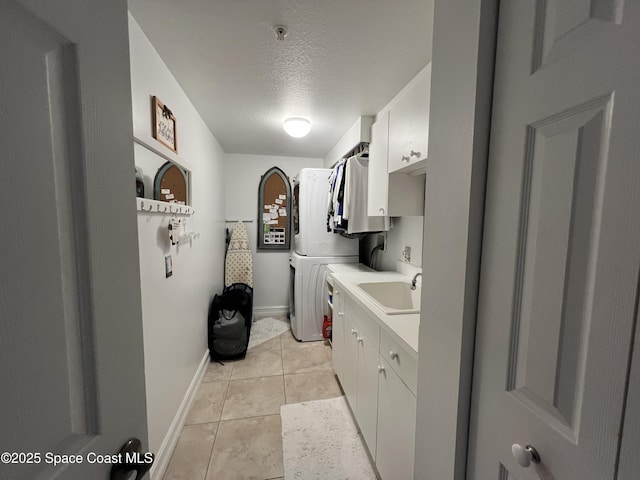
<point x="409" y="125"/>
<point x="377" y="202"/>
<point x="391" y="194"/>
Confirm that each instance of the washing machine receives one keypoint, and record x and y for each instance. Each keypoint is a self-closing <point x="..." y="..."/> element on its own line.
<point x="308" y="294"/>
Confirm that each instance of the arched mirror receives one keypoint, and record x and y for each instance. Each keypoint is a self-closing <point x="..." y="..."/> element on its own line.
<point x="274" y="219"/>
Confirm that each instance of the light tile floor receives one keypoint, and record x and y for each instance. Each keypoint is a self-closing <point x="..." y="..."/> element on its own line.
<point x="233" y="431"/>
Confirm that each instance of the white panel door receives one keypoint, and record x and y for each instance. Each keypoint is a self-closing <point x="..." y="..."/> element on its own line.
<point x="71" y="359"/>
<point x="561" y="247"/>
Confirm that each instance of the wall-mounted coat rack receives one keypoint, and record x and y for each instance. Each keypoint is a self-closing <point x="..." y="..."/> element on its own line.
<point x="155" y="206"/>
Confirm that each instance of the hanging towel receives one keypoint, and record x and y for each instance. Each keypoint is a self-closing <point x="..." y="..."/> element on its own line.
<point x="238" y="263"/>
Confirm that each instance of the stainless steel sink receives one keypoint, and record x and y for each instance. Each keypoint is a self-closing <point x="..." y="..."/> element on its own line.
<point x="394" y="298"/>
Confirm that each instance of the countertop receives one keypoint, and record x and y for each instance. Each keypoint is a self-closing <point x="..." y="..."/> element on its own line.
<point x="349" y="268"/>
<point x="403" y="328"/>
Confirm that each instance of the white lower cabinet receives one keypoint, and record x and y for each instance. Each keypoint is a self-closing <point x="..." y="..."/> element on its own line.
<point x="349" y="378"/>
<point x="396" y="426"/>
<point x="367" y="396"/>
<point x="338" y="334"/>
<point x="383" y="406"/>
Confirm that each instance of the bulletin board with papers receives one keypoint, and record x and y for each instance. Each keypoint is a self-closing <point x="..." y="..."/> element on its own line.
<point x="274" y="220"/>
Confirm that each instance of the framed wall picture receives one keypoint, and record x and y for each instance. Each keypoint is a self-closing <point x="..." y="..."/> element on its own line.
<point x="274" y="219"/>
<point x="164" y="125"/>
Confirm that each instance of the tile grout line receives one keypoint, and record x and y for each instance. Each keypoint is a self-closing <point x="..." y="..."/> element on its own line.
<point x="206" y="471"/>
<point x="250" y="417"/>
<point x="215" y="437"/>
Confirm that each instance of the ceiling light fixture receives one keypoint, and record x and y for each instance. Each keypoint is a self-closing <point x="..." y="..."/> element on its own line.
<point x="297" y="127"/>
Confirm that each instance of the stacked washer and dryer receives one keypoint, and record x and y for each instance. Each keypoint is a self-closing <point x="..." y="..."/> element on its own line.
<point x="314" y="249"/>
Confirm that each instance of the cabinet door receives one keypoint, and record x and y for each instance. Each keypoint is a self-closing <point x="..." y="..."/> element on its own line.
<point x="350" y="361"/>
<point x="400" y="132"/>
<point x="367" y="396"/>
<point x="377" y="205"/>
<point x="338" y="334"/>
<point x="419" y="118"/>
<point x="409" y="124"/>
<point x="396" y="426"/>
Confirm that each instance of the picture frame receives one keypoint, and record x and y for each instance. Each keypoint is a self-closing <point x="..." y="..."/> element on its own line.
<point x="164" y="125"/>
<point x="274" y="211"/>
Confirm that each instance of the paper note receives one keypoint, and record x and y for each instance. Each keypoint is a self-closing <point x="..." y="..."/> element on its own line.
<point x="279" y="201"/>
<point x="274" y="215"/>
<point x="164" y="191"/>
<point x="282" y="197"/>
<point x="282" y="212"/>
<point x="273" y="222"/>
<point x="267" y="207"/>
<point x="169" y="196"/>
<point x="266" y="217"/>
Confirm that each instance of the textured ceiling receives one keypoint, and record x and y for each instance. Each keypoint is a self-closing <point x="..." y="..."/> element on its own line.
<point x="341" y="59"/>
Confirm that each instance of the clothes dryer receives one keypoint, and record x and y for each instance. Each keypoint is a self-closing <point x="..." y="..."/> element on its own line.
<point x="308" y="294"/>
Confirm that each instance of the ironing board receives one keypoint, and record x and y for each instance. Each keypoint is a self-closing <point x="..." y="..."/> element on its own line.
<point x="238" y="267"/>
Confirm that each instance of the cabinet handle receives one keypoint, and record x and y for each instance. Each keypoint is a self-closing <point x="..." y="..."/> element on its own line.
<point x="405" y="158"/>
<point x="380" y="369"/>
<point x="354" y="332"/>
<point x="360" y="339"/>
<point x="393" y="355"/>
<point x="415" y="154"/>
<point x="341" y="314"/>
<point x="381" y="210"/>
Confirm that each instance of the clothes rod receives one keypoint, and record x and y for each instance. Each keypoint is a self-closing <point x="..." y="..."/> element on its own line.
<point x="236" y="221"/>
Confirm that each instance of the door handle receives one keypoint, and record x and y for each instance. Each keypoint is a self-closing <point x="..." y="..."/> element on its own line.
<point x="132" y="460"/>
<point x="525" y="456"/>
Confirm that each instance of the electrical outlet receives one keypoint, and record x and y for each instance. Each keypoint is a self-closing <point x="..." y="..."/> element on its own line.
<point x="168" y="266"/>
<point x="406" y="254"/>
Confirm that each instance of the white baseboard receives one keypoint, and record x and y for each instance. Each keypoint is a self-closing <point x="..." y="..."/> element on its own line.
<point x="163" y="456"/>
<point x="272" y="311"/>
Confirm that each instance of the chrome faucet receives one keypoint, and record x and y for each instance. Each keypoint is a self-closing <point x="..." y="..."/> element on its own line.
<point x="415" y="280"/>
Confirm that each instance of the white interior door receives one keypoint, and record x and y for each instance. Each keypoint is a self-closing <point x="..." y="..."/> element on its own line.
<point x="71" y="359"/>
<point x="561" y="242"/>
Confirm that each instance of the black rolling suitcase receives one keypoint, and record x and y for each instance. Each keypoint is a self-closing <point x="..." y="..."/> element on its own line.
<point x="229" y="323"/>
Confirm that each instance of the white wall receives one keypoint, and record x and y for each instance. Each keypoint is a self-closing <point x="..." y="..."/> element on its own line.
<point x="242" y="178"/>
<point x="405" y="231"/>
<point x="175" y="309"/>
<point x="461" y="86"/>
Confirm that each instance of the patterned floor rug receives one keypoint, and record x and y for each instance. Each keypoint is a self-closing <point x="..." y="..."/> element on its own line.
<point x="265" y="329"/>
<point x="320" y="442"/>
